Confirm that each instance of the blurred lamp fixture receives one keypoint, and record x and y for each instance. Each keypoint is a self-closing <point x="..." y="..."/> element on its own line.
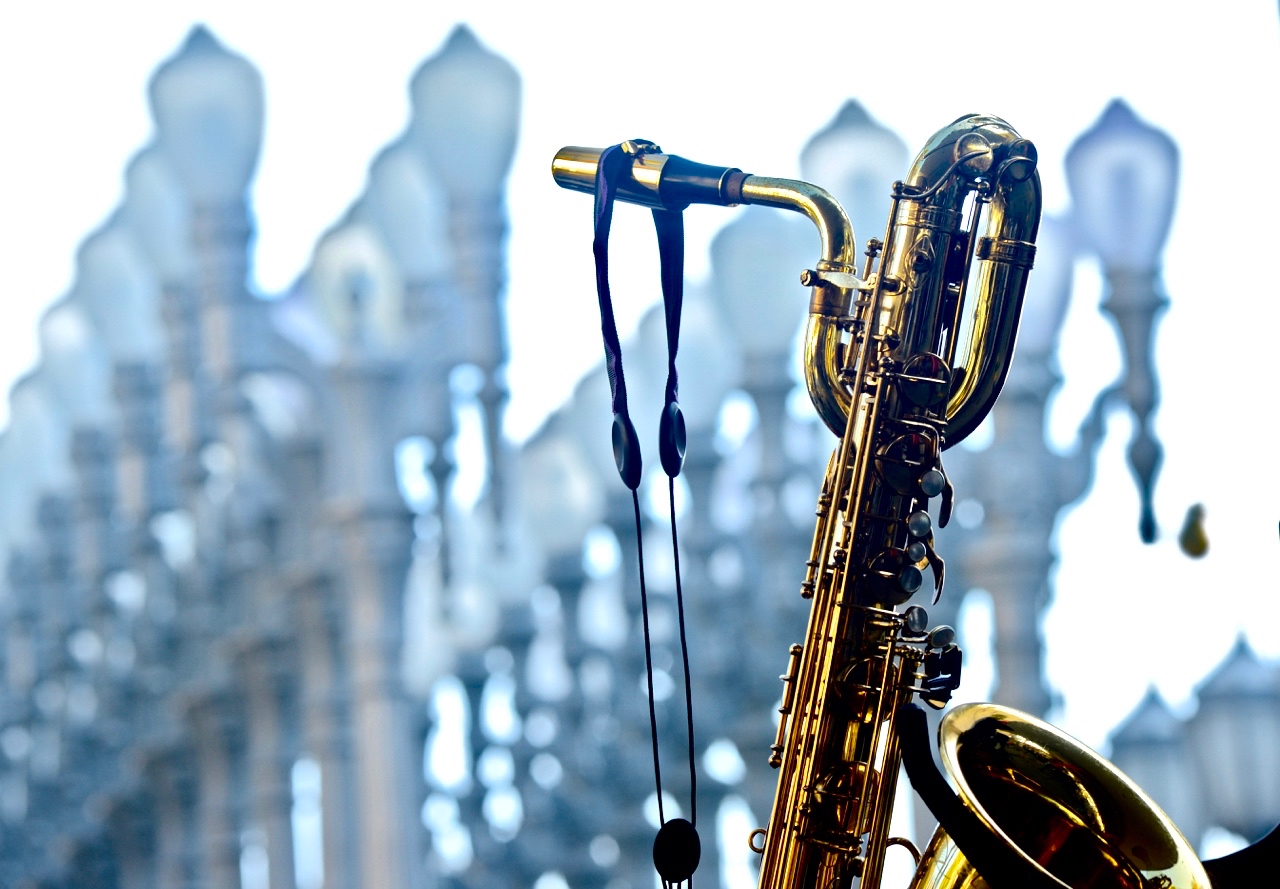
<point x="562" y="499"/>
<point x="588" y="416"/>
<point x="755" y="274"/>
<point x="856" y="159"/>
<point x="708" y="361"/>
<point x="467" y="103"/>
<point x="466" y="115"/>
<point x="1123" y="177"/>
<point x="207" y="104"/>
<point x="1234" y="743"/>
<point x="1151" y="748"/>
<point x="756" y="262"/>
<point x="157" y="213"/>
<point x="40" y="431"/>
<point x="76" y="364"/>
<point x="117" y="288"/>
<point x="358" y="292"/>
<point x="404" y="203"/>
<point x="1048" y="292"/>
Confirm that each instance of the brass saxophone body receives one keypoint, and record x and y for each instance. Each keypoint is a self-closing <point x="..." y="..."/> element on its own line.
<point x="912" y="366"/>
<point x="903" y="358"/>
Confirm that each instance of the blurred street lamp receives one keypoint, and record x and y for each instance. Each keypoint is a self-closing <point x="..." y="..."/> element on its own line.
<point x="1123" y="177"/>
<point x="466" y="104"/>
<point x="1233" y="737"/>
<point x="1011" y="493"/>
<point x="710" y="365"/>
<point x="208" y="107"/>
<point x="1151" y="748"/>
<point x="157" y="214"/>
<point x="756" y="262"/>
<point x="857" y="160"/>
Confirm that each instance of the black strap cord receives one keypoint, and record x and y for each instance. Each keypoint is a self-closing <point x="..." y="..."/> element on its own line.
<point x="626" y="447"/>
<point x="676" y="849"/>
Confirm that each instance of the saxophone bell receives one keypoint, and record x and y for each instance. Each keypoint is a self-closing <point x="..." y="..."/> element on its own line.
<point x="1036" y="809"/>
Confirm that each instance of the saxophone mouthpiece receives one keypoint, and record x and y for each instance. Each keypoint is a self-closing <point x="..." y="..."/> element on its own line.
<point x="656" y="180"/>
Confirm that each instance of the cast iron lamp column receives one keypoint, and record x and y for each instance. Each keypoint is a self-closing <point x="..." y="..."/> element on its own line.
<point x="1233" y="742"/>
<point x="1123" y="176"/>
<point x="466" y="115"/>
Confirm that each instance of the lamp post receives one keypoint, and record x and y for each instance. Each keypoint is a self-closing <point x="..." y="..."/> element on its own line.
<point x="1151" y="748"/>
<point x="119" y="295"/>
<point x="208" y="107"/>
<point x="406" y="204"/>
<point x="856" y="159"/>
<point x="1233" y="741"/>
<point x="356" y="290"/>
<point x="157" y="212"/>
<point x="756" y="261"/>
<point x="1123" y="176"/>
<point x="466" y="105"/>
<point x="1009" y="495"/>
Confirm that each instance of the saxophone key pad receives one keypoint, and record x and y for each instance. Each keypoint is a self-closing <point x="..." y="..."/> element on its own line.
<point x="915" y="620"/>
<point x="941" y="636"/>
<point x="892" y="577"/>
<point x="900" y="461"/>
<point x="919" y="524"/>
<point x="925" y="380"/>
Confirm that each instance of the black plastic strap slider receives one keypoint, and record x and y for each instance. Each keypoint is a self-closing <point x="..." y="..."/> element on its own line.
<point x="671" y="439"/>
<point x="626" y="451"/>
<point x="677" y="850"/>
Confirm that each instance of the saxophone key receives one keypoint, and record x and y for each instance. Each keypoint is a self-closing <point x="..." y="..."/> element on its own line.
<point x="900" y="462"/>
<point x="941" y="636"/>
<point x="919" y="524"/>
<point x="893" y="577"/>
<point x="948" y="498"/>
<point x="925" y="380"/>
<point x="942" y="667"/>
<point x="788" y="696"/>
<point x="915" y="620"/>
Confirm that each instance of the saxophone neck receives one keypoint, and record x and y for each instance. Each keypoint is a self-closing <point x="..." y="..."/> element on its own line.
<point x="824" y="211"/>
<point x="669" y="182"/>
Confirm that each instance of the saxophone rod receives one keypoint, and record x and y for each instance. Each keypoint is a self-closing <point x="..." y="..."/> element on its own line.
<point x="670" y="182"/>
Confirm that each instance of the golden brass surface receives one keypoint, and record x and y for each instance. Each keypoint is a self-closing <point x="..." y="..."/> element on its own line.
<point x="901" y="361"/>
<point x="574" y="168"/>
<point x="840" y="761"/>
<point x="1058" y="803"/>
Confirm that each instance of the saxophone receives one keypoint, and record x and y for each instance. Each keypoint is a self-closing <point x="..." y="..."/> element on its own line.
<point x="904" y="358"/>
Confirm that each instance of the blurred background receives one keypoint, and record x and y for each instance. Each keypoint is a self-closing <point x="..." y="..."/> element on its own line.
<point x="316" y="569"/>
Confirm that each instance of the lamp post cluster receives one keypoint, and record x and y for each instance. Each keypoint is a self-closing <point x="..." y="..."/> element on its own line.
<point x="204" y="536"/>
<point x="1123" y="176"/>
<point x="259" y="630"/>
<point x="1220" y="767"/>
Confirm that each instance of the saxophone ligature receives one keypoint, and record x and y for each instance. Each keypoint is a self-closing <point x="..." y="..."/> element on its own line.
<point x="903" y="358"/>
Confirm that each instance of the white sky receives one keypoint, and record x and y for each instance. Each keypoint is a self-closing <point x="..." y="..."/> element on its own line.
<point x="747" y="84"/>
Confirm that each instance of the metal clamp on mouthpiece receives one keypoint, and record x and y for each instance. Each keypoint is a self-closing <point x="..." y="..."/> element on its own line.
<point x="657" y="180"/>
